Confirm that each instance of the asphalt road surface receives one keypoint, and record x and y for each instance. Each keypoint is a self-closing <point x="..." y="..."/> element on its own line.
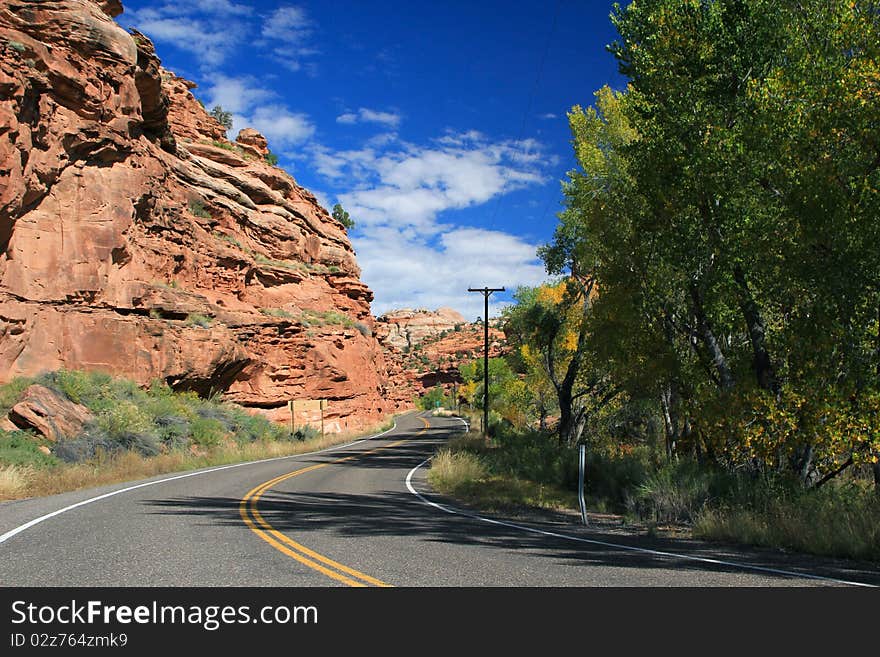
<point x="358" y="515"/>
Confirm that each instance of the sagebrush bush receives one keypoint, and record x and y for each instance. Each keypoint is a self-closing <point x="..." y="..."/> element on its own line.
<point x="84" y="447"/>
<point x="173" y="430"/>
<point x="207" y="432"/>
<point x="130" y="418"/>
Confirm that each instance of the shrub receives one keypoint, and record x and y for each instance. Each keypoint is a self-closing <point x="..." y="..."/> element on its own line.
<point x="229" y="239"/>
<point x="16" y="46"/>
<point x="197" y="208"/>
<point x="271" y="158"/>
<point x="84" y="447"/>
<point x="292" y="265"/>
<point x="249" y="428"/>
<point x="207" y="432"/>
<point x="173" y="430"/>
<point x="678" y="492"/>
<point x="122" y="418"/>
<point x="95" y="390"/>
<point x="324" y="318"/>
<point x="276" y="312"/>
<point x="201" y="321"/>
<point x="10" y="393"/>
<point x="305" y="432"/>
<point x="363" y="328"/>
<point x="145" y="443"/>
<point x="612" y="479"/>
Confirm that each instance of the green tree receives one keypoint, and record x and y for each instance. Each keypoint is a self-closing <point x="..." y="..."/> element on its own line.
<point x="342" y="216"/>
<point x="434" y="398"/>
<point x="550" y="328"/>
<point x="509" y="397"/>
<point x="223" y="117"/>
<point x="725" y="205"/>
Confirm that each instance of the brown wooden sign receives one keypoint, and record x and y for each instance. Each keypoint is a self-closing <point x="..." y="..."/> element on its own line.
<point x="300" y="405"/>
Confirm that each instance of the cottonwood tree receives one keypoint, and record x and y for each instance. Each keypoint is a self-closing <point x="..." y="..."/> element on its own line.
<point x="724" y="209"/>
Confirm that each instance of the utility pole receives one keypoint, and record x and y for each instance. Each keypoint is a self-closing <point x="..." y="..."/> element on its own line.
<point x="486" y="292"/>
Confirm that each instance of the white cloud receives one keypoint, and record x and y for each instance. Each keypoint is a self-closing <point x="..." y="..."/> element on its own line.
<point x="286" y="24"/>
<point x="282" y="127"/>
<point x="208" y="29"/>
<point x="292" y="30"/>
<point x="348" y="118"/>
<point x="548" y="116"/>
<point x="404" y="271"/>
<point x="399" y="194"/>
<point x="236" y="94"/>
<point x="411" y="185"/>
<point x="385" y="118"/>
<point x="213" y="30"/>
<point x="252" y="106"/>
<point x="366" y="115"/>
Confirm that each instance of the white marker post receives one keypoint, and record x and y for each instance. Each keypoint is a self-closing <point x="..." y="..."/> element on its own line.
<point x="582" y="452"/>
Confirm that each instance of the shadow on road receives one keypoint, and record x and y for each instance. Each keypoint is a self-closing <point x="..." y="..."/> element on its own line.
<point x="299" y="514"/>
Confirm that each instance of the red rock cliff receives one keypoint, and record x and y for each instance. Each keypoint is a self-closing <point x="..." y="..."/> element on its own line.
<point x="135" y="239"/>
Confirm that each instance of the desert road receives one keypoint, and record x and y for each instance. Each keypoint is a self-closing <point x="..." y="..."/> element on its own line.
<point x="360" y="514"/>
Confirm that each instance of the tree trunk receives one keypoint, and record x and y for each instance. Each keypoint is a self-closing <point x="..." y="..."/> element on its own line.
<point x="567" y="418"/>
<point x="761" y="361"/>
<point x="719" y="361"/>
<point x="669" y="404"/>
<point x="802" y="461"/>
<point x="571" y="420"/>
<point x="876" y="468"/>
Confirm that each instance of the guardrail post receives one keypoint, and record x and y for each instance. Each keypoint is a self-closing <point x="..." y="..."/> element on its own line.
<point x="582" y="451"/>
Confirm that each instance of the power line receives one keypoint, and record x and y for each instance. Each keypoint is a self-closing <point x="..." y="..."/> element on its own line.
<point x="486" y="292"/>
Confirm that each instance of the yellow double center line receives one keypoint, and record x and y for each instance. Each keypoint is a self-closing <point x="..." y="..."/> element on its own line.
<point x="261" y="527"/>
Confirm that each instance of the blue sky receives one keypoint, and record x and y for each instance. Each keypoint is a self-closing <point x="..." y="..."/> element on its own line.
<point x="440" y="126"/>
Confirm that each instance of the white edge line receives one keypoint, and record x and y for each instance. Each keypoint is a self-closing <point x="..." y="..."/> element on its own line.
<point x="629" y="548"/>
<point x="36" y="521"/>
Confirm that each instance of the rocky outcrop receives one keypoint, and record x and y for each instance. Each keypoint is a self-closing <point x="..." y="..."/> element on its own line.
<point x="136" y="239"/>
<point x="402" y="329"/>
<point x="49" y="414"/>
<point x="426" y="348"/>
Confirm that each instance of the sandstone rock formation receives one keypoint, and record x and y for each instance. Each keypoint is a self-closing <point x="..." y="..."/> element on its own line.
<point x="49" y="414"/>
<point x="426" y="348"/>
<point x="136" y="239"/>
<point x="404" y="328"/>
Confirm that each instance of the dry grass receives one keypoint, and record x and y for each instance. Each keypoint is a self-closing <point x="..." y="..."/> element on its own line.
<point x="451" y="470"/>
<point x="14" y="481"/>
<point x="830" y="525"/>
<point x="18" y="482"/>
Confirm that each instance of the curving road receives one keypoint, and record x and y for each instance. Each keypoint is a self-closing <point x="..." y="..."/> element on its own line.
<point x="357" y="515"/>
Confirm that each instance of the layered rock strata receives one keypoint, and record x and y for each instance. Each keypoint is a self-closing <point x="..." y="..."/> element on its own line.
<point x="136" y="239"/>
